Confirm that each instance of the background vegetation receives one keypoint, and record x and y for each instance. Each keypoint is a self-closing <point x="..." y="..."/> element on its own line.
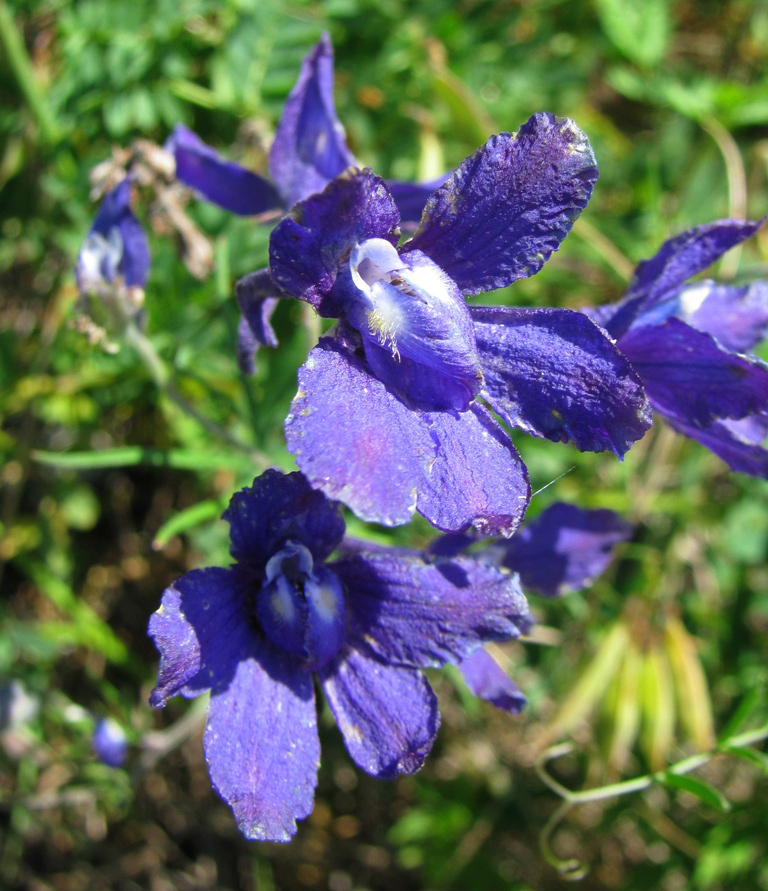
<point x="108" y="491"/>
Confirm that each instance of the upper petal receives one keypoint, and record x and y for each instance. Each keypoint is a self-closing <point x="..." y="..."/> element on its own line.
<point x="509" y="205"/>
<point x="736" y="316"/>
<point x="354" y="439"/>
<point x="229" y="185"/>
<point x="738" y="443"/>
<point x="564" y="548"/>
<point x="677" y="260"/>
<point x="387" y="714"/>
<point x="310" y="245"/>
<point x="261" y="743"/>
<point x="277" y="508"/>
<point x="411" y="198"/>
<point x="310" y="147"/>
<point x="201" y="629"/>
<point x="428" y="614"/>
<point x="555" y="374"/>
<point x="477" y="478"/>
<point x="689" y="377"/>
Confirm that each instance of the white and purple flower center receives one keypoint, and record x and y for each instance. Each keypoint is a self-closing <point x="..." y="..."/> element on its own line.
<point x="417" y="331"/>
<point x="300" y="607"/>
<point x="100" y="258"/>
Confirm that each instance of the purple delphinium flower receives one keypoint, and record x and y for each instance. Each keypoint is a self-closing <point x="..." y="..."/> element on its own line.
<point x="364" y="624"/>
<point x="110" y="742"/>
<point x="390" y="415"/>
<point x="687" y="342"/>
<point x="116" y="250"/>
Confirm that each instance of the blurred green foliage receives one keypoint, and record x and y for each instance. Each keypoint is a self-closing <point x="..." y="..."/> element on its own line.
<point x="674" y="97"/>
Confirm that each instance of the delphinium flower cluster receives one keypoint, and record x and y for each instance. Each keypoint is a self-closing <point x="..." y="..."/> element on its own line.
<point x="402" y="407"/>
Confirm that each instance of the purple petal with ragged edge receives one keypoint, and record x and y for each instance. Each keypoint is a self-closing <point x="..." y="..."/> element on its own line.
<point x="412" y="612"/>
<point x="261" y="743"/>
<point x="677" y="260"/>
<point x="200" y="629"/>
<point x="562" y="549"/>
<point x="116" y="244"/>
<point x="416" y="328"/>
<point x="256" y="296"/>
<point x="309" y="246"/>
<point x="354" y="439"/>
<point x="310" y="147"/>
<point x="738" y="443"/>
<point x="477" y="479"/>
<point x="736" y="316"/>
<point x="487" y="680"/>
<point x="221" y="182"/>
<point x="509" y="205"/>
<point x="387" y="714"/>
<point x="278" y="508"/>
<point x="554" y="374"/>
<point x="689" y="377"/>
<point x="411" y="198"/>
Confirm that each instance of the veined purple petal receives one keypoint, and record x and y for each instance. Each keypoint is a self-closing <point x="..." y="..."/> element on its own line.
<point x="736" y="316"/>
<point x="477" y="478"/>
<point x="411" y="198"/>
<point x="487" y="680"/>
<point x="416" y="328"/>
<point x="201" y="630"/>
<point x="116" y="244"/>
<point x="310" y="147"/>
<point x="221" y="182"/>
<point x="738" y="443"/>
<point x="509" y="205"/>
<point x="308" y="247"/>
<point x="387" y="714"/>
<point x="562" y="549"/>
<point x="261" y="743"/>
<point x="278" y="508"/>
<point x="354" y="440"/>
<point x="554" y="374"/>
<point x="424" y="614"/>
<point x="677" y="260"/>
<point x="256" y="296"/>
<point x="689" y="377"/>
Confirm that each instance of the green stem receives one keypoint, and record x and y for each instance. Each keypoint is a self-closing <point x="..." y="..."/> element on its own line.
<point x="24" y="72"/>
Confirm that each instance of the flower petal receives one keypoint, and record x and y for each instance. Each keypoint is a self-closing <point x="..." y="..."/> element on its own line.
<point x="116" y="244"/>
<point x="689" y="377"/>
<point x="256" y="297"/>
<point x="677" y="260"/>
<point x="486" y="679"/>
<point x="428" y="614"/>
<point x="200" y="629"/>
<point x="221" y="182"/>
<point x="308" y="246"/>
<point x="738" y="443"/>
<point x="310" y="147"/>
<point x="562" y="549"/>
<point x="387" y="714"/>
<point x="261" y="743"/>
<point x="554" y="374"/>
<point x="354" y="439"/>
<point x="509" y="205"/>
<point x="477" y="478"/>
<point x="737" y="317"/>
<point x="278" y="508"/>
<point x="411" y="198"/>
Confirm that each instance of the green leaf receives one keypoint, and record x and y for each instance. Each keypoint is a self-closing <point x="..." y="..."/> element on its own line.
<point x="639" y="31"/>
<point x="742" y="714"/>
<point x="699" y="788"/>
<point x="188" y="519"/>
<point x="131" y="456"/>
<point x="754" y="756"/>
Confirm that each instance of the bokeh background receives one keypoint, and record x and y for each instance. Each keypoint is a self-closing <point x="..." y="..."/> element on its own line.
<point x="108" y="491"/>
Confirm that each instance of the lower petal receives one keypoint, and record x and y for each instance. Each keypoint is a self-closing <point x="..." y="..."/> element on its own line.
<point x="387" y="714"/>
<point x="261" y="744"/>
<point x="477" y="478"/>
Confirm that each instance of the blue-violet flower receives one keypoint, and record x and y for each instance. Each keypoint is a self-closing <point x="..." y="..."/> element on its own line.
<point x="365" y="624"/>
